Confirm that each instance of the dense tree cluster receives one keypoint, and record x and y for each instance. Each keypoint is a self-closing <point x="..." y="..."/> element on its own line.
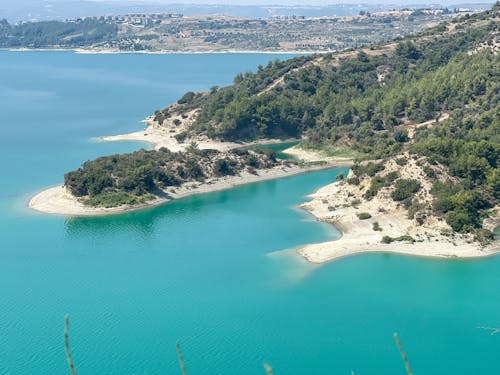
<point x="56" y="33"/>
<point x="131" y="178"/>
<point x="463" y="209"/>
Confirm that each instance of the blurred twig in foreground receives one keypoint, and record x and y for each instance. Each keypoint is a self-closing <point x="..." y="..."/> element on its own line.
<point x="66" y="344"/>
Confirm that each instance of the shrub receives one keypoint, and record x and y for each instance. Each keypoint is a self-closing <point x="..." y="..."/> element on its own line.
<point x="363" y="215"/>
<point x="401" y="135"/>
<point x="371" y="169"/>
<point x="376" y="227"/>
<point x="187" y="98"/>
<point x="251" y="170"/>
<point x="222" y="167"/>
<point x="459" y="220"/>
<point x="193" y="169"/>
<point x="116" y="199"/>
<point x="405" y="189"/>
<point x="181" y="136"/>
<point x="379" y="182"/>
<point x="484" y="236"/>
<point x="240" y="151"/>
<point x="353" y="180"/>
<point x="252" y="161"/>
<point x="462" y="208"/>
<point x="429" y="172"/>
<point x="387" y="239"/>
<point x="356" y="202"/>
<point x="404" y="238"/>
<point x="401" y="161"/>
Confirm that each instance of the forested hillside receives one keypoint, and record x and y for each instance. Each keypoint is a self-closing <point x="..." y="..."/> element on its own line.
<point x="435" y="94"/>
<point x="356" y="98"/>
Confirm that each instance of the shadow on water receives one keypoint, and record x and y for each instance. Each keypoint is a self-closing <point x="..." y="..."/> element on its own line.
<point x="145" y="222"/>
<point x="142" y="222"/>
<point x="247" y="203"/>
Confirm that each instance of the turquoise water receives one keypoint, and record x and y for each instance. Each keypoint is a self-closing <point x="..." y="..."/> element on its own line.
<point x="209" y="270"/>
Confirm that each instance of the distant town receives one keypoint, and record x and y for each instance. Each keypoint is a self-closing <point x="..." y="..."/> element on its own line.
<point x="132" y="19"/>
<point x="150" y="19"/>
<point x="176" y="32"/>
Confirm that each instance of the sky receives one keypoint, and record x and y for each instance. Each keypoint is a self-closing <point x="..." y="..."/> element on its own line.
<point x="259" y="2"/>
<point x="287" y="2"/>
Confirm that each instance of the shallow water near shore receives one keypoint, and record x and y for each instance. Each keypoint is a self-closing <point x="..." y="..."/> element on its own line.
<point x="207" y="270"/>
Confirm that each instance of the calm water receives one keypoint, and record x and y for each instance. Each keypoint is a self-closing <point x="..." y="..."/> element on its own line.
<point x="206" y="270"/>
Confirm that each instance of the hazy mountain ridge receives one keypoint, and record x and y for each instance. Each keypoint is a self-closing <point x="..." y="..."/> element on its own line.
<point x="34" y="10"/>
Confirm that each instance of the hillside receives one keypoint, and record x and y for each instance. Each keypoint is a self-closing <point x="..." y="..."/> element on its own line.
<point x="359" y="93"/>
<point x="434" y="95"/>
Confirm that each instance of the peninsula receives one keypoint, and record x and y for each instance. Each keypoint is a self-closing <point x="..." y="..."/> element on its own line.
<point x="419" y="117"/>
<point x="121" y="183"/>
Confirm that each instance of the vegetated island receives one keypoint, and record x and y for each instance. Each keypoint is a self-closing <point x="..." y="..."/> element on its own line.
<point x="419" y="114"/>
<point x="128" y="182"/>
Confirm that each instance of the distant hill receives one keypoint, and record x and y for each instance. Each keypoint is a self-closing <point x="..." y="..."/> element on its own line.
<point x="35" y="10"/>
<point x="289" y="29"/>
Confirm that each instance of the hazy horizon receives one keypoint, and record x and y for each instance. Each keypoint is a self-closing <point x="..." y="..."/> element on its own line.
<point x="36" y="10"/>
<point x="269" y="2"/>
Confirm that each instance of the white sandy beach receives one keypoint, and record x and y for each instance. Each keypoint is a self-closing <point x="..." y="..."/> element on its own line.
<point x="312" y="156"/>
<point x="164" y="136"/>
<point x="159" y="138"/>
<point x="111" y="51"/>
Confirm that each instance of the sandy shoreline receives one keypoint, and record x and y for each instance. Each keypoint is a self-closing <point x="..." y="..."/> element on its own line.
<point x="164" y="136"/>
<point x="57" y="200"/>
<point x="312" y="156"/>
<point x="165" y="52"/>
<point x="359" y="237"/>
<point x="159" y="138"/>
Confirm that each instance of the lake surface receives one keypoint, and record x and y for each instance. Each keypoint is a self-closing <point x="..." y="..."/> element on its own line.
<point x="216" y="272"/>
